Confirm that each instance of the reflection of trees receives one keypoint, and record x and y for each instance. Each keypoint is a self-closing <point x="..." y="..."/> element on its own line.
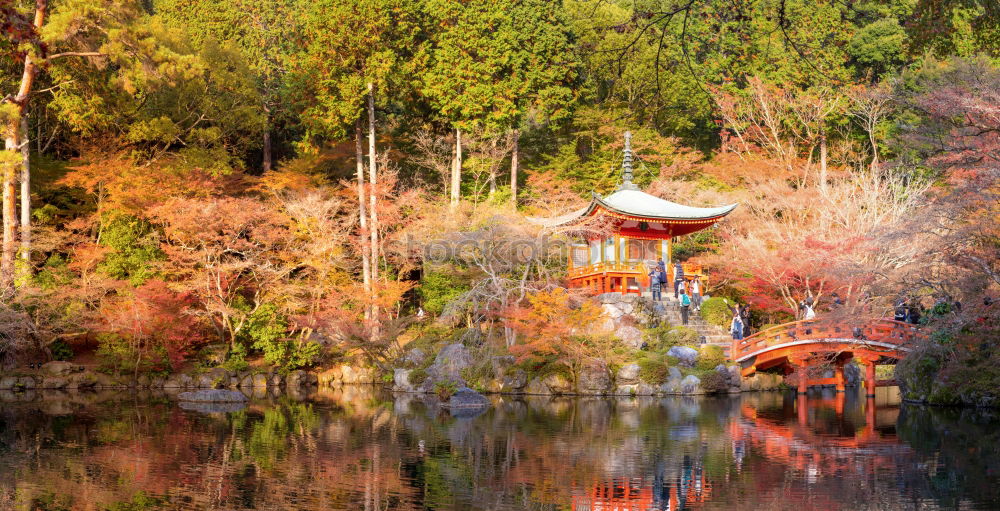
<point x="960" y="451"/>
<point x="354" y="449"/>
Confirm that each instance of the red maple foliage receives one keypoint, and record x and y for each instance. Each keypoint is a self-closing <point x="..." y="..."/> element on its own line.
<point x="154" y="316"/>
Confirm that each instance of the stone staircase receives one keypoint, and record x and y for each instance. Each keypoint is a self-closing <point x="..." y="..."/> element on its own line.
<point x="710" y="334"/>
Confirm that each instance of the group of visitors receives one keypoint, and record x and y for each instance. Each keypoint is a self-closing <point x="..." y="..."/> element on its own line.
<point x="687" y="293"/>
<point x="907" y="311"/>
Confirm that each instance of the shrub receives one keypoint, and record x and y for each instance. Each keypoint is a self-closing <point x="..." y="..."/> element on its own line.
<point x="540" y="368"/>
<point x="653" y="370"/>
<point x="660" y="339"/>
<point x="445" y="389"/>
<point x="237" y="360"/>
<point x="54" y="273"/>
<point x="60" y="350"/>
<point x="684" y="336"/>
<point x="714" y="382"/>
<point x="118" y="355"/>
<point x="134" y="247"/>
<point x="716" y="311"/>
<point x="418" y="376"/>
<point x="437" y="289"/>
<point x="265" y="330"/>
<point x="710" y="357"/>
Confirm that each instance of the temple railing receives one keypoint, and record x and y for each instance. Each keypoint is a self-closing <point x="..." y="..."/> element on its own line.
<point x="883" y="331"/>
<point x="636" y="267"/>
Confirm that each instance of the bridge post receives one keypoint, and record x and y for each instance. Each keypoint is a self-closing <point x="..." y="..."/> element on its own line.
<point x="868" y="359"/>
<point x="838" y="375"/>
<point x="801" y="363"/>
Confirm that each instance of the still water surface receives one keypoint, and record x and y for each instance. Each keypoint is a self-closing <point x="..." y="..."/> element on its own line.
<point x="357" y="448"/>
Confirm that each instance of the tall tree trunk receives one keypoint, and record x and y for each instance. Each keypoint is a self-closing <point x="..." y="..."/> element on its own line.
<point x="822" y="158"/>
<point x="266" y="162"/>
<point x="9" y="206"/>
<point x="456" y="171"/>
<point x="514" y="163"/>
<point x="25" y="193"/>
<point x="359" y="154"/>
<point x="9" y="167"/>
<point x="372" y="182"/>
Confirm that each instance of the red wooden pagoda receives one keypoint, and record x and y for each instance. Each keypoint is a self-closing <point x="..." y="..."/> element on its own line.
<point x="643" y="229"/>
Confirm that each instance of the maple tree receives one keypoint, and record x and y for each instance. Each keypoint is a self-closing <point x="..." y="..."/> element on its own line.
<point x="554" y="324"/>
<point x="224" y="250"/>
<point x="154" y="317"/>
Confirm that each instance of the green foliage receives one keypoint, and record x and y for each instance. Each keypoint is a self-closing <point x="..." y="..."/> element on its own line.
<point x="117" y="355"/>
<point x="418" y="376"/>
<point x="54" y="273"/>
<point x="139" y="502"/>
<point x="714" y="382"/>
<point x="879" y="46"/>
<point x="654" y="370"/>
<point x="134" y="248"/>
<point x="437" y="289"/>
<point x="493" y="62"/>
<point x="697" y="243"/>
<point x="542" y="367"/>
<point x="236" y="362"/>
<point x="479" y="374"/>
<point x="61" y="350"/>
<point x="445" y="389"/>
<point x="716" y="311"/>
<point x="662" y="338"/>
<point x="49" y="501"/>
<point x="710" y="357"/>
<point x="266" y="330"/>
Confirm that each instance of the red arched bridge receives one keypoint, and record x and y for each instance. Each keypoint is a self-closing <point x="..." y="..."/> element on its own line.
<point x="799" y="345"/>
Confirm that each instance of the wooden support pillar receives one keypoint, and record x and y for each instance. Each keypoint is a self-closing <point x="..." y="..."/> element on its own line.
<point x="802" y="408"/>
<point x="869" y="360"/>
<point x="870" y="416"/>
<point x="870" y="379"/>
<point x="838" y="403"/>
<point x="670" y="257"/>
<point x="801" y="363"/>
<point x="838" y="376"/>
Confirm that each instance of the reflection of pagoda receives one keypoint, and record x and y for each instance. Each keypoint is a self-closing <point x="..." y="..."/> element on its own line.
<point x="634" y="495"/>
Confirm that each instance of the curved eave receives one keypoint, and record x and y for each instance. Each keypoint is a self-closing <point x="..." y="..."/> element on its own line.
<point x="599" y="205"/>
<point x="631" y="215"/>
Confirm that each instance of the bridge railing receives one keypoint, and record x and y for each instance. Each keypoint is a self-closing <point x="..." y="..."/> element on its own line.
<point x="880" y="330"/>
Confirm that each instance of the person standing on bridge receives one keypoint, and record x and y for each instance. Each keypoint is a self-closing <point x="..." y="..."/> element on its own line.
<point x="736" y="327"/>
<point x="745" y="318"/>
<point x="685" y="306"/>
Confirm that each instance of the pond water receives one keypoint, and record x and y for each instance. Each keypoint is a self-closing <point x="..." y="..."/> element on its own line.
<point x="357" y="448"/>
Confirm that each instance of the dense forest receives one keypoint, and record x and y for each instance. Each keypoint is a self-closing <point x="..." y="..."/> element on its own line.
<point x="265" y="179"/>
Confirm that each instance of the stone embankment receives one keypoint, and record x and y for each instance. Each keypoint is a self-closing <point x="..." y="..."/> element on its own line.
<point x="449" y="368"/>
<point x="71" y="377"/>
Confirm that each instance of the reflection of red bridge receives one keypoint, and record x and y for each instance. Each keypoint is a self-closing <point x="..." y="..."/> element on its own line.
<point x="798" y="445"/>
<point x="634" y="495"/>
<point x="798" y="345"/>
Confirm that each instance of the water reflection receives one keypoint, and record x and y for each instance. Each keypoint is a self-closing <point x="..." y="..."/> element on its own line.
<point x="355" y="448"/>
